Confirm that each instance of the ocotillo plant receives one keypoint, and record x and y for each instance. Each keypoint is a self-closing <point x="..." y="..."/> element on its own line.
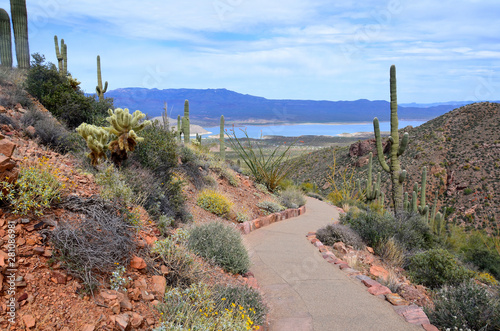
<point x="398" y="175"/>
<point x="221" y="140"/>
<point x="100" y="91"/>
<point x="5" y="39"/>
<point x="372" y="191"/>
<point x="62" y="57"/>
<point x="185" y="122"/>
<point x="20" y="24"/>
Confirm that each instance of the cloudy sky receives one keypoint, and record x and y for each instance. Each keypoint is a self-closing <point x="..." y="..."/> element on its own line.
<point x="280" y="49"/>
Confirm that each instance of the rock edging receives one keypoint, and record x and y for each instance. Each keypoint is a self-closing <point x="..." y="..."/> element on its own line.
<point x="412" y="313"/>
<point x="249" y="226"/>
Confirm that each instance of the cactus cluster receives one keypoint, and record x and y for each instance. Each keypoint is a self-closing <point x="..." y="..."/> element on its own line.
<point x="372" y="191"/>
<point x="221" y="139"/>
<point x="120" y="137"/>
<point x="99" y="89"/>
<point x="413" y="206"/>
<point x="398" y="175"/>
<point x="62" y="57"/>
<point x="20" y="24"/>
<point x="5" y="39"/>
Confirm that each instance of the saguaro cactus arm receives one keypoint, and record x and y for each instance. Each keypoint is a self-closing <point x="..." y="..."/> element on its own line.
<point x="20" y="24"/>
<point x="5" y="39"/>
<point x="380" y="150"/>
<point x="186" y="123"/>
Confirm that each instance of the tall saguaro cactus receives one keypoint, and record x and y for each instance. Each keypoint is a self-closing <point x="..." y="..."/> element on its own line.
<point x="20" y="23"/>
<point x="100" y="91"/>
<point x="221" y="139"/>
<point x="398" y="175"/>
<point x="62" y="57"/>
<point x="5" y="39"/>
<point x="185" y="123"/>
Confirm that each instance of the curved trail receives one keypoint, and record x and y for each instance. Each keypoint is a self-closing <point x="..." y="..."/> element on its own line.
<point x="303" y="290"/>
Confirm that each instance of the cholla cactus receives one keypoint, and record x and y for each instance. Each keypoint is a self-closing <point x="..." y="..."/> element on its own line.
<point x="124" y="127"/>
<point x="97" y="139"/>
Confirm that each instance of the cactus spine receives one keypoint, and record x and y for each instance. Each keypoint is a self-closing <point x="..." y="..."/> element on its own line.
<point x="185" y="122"/>
<point x="62" y="57"/>
<point x="221" y="139"/>
<point x="100" y="91"/>
<point x="5" y="39"/>
<point x="398" y="175"/>
<point x="20" y="25"/>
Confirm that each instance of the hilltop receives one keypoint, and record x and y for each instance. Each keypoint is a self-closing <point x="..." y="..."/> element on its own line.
<point x="461" y="150"/>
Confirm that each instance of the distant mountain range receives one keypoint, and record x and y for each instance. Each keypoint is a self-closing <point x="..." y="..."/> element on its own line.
<point x="207" y="105"/>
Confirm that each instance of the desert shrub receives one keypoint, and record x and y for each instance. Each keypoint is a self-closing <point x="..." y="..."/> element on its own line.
<point x="437" y="267"/>
<point x="244" y="296"/>
<point x="96" y="243"/>
<point x="68" y="103"/>
<point x="7" y="120"/>
<point x="214" y="202"/>
<point x="38" y="186"/>
<point x="220" y="243"/>
<point x="114" y="186"/>
<point x="195" y="308"/>
<point x="307" y="187"/>
<point x="344" y="187"/>
<point x="292" y="198"/>
<point x="184" y="270"/>
<point x="409" y="230"/>
<point x="242" y="217"/>
<point x="13" y="91"/>
<point x="468" y="191"/>
<point x="164" y="223"/>
<point x="391" y="252"/>
<point x="195" y="167"/>
<point x="333" y="233"/>
<point x="261" y="188"/>
<point x="467" y="306"/>
<point x="270" y="207"/>
<point x="158" y="150"/>
<point x="486" y="278"/>
<point x="224" y="171"/>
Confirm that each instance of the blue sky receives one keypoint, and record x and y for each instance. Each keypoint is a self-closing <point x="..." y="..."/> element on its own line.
<point x="294" y="49"/>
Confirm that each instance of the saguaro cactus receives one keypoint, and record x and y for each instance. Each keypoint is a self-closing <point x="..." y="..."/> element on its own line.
<point x="179" y="128"/>
<point x="221" y="140"/>
<point x="20" y="24"/>
<point x="100" y="91"/>
<point x="5" y="39"/>
<point x="185" y="123"/>
<point x="62" y="56"/>
<point x="398" y="175"/>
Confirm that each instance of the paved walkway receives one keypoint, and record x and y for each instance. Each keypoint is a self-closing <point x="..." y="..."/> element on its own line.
<point x="303" y="290"/>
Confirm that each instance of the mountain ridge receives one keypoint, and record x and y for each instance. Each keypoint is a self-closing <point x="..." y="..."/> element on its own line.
<point x="206" y="106"/>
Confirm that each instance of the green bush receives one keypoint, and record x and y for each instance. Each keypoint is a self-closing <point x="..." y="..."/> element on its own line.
<point x="247" y="297"/>
<point x="333" y="233"/>
<point x="270" y="207"/>
<point x="437" y="267"/>
<point x="114" y="187"/>
<point x="467" y="306"/>
<point x="64" y="101"/>
<point x="220" y="243"/>
<point x="214" y="202"/>
<point x="292" y="198"/>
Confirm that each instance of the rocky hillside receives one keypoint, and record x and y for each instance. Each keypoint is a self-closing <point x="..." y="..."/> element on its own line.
<point x="461" y="150"/>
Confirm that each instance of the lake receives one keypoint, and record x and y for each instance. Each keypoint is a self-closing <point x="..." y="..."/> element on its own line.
<point x="295" y="130"/>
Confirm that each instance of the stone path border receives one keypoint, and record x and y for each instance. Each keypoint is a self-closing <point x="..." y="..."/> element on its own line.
<point x="412" y="313"/>
<point x="249" y="226"/>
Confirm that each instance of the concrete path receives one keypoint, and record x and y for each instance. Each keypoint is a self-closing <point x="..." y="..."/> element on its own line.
<point x="303" y="290"/>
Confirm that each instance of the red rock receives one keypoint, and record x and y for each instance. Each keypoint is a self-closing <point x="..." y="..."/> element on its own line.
<point x="314" y="240"/>
<point x="265" y="221"/>
<point x="108" y="295"/>
<point x="256" y="223"/>
<point x="429" y="327"/>
<point x="137" y="263"/>
<point x="88" y="327"/>
<point x="379" y="290"/>
<point x="29" y="321"/>
<point x="318" y="243"/>
<point x="379" y="271"/>
<point x="7" y="147"/>
<point x="370" y="250"/>
<point x="323" y="249"/>
<point x="122" y="321"/>
<point x="415" y="315"/>
<point x="136" y="320"/>
<point x="339" y="246"/>
<point x="343" y="266"/>
<point x="370" y="282"/>
<point x="164" y="269"/>
<point x="151" y="240"/>
<point x="58" y="278"/>
<point x="311" y="234"/>
<point x="159" y="285"/>
<point x="395" y="299"/>
<point x="146" y="296"/>
<point x="39" y="250"/>
<point x="6" y="163"/>
<point x="23" y="297"/>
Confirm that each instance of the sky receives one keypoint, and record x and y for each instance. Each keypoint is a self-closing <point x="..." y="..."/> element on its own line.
<point x="279" y="49"/>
